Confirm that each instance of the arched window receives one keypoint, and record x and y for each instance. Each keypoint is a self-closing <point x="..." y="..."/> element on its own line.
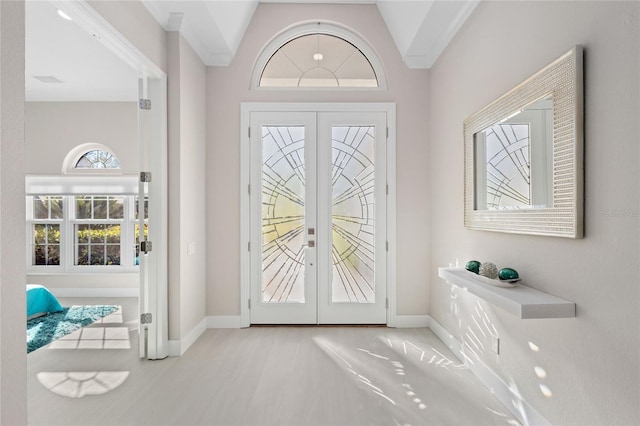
<point x="97" y="159"/>
<point x="318" y="55"/>
<point x="91" y="158"/>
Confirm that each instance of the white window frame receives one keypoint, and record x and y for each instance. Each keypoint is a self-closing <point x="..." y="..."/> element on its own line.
<point x="68" y="187"/>
<point x="31" y="221"/>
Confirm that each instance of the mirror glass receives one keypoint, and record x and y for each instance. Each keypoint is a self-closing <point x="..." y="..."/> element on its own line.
<point x="514" y="160"/>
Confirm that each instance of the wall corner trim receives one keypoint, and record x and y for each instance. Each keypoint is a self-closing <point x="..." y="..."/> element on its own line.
<point x="179" y="347"/>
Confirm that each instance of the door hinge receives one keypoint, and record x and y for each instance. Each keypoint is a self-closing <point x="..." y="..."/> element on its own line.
<point x="249" y="303"/>
<point x="249" y="189"/>
<point x="386" y="303"/>
<point x="387" y="133"/>
<point x="249" y="246"/>
<point x="249" y="132"/>
<point x="145" y="318"/>
<point x="387" y="246"/>
<point x="145" y="177"/>
<point x="145" y="247"/>
<point x="387" y="189"/>
<point x="144" y="104"/>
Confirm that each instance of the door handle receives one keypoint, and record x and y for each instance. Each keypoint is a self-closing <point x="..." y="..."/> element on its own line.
<point x="310" y="244"/>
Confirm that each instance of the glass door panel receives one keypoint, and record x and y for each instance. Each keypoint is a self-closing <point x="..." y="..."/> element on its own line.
<point x="353" y="214"/>
<point x="283" y="218"/>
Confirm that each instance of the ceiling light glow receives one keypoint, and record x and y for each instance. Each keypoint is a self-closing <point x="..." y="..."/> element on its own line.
<point x="64" y="15"/>
<point x="317" y="57"/>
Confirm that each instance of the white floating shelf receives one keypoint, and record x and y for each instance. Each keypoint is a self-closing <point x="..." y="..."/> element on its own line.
<point x="522" y="301"/>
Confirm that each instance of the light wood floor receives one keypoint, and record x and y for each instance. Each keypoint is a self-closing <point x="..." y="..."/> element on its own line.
<point x="259" y="376"/>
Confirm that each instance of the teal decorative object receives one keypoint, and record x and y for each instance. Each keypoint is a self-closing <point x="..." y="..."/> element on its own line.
<point x="473" y="266"/>
<point x="508" y="274"/>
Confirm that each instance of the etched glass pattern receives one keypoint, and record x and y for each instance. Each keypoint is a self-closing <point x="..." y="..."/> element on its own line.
<point x="353" y="214"/>
<point x="508" y="174"/>
<point x="98" y="159"/>
<point x="283" y="192"/>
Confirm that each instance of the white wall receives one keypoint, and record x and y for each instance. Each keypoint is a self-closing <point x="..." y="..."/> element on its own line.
<point x="228" y="86"/>
<point x="187" y="221"/>
<point x="13" y="362"/>
<point x="52" y="129"/>
<point x="591" y="361"/>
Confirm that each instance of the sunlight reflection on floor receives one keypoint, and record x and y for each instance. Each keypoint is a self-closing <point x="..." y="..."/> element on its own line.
<point x="415" y="381"/>
<point x="77" y="384"/>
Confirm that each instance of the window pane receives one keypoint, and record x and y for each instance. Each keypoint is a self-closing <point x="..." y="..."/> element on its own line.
<point x="39" y="255"/>
<point x="56" y="208"/>
<point x="97" y="234"/>
<point x="100" y="208"/>
<point x="116" y="207"/>
<point x="53" y="255"/>
<point x="113" y="254"/>
<point x="82" y="254"/>
<point x="96" y="256"/>
<point x="53" y="234"/>
<point x="41" y="207"/>
<point x="82" y="233"/>
<point x="83" y="207"/>
<point x="39" y="233"/>
<point x="113" y="234"/>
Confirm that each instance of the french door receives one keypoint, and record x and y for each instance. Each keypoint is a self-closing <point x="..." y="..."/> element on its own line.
<point x="318" y="217"/>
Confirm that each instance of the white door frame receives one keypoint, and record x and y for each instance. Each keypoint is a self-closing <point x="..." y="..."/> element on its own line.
<point x="155" y="298"/>
<point x="246" y="108"/>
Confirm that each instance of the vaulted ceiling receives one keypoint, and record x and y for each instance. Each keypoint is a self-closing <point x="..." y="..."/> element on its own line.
<point x="421" y="29"/>
<point x="66" y="63"/>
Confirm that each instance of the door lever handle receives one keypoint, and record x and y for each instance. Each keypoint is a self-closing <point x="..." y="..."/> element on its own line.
<point x="310" y="244"/>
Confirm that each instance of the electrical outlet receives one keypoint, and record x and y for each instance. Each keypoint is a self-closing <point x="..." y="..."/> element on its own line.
<point x="495" y="344"/>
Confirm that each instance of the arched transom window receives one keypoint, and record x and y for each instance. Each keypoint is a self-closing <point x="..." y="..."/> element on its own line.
<point x="97" y="159"/>
<point x="318" y="60"/>
<point x="91" y="158"/>
<point x="318" y="55"/>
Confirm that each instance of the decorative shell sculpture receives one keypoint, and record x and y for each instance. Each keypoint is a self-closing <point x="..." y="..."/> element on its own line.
<point x="489" y="270"/>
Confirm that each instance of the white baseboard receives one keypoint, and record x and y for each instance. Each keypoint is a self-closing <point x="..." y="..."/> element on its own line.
<point x="93" y="292"/>
<point x="520" y="408"/>
<point x="219" y="321"/>
<point x="411" y="321"/>
<point x="179" y="347"/>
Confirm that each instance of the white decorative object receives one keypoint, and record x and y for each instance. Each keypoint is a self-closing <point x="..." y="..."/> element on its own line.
<point x="489" y="270"/>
